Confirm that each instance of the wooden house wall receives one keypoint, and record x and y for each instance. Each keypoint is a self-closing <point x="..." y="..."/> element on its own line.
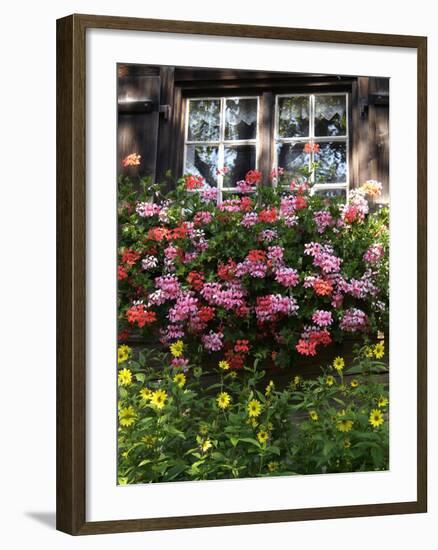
<point x="158" y="136"/>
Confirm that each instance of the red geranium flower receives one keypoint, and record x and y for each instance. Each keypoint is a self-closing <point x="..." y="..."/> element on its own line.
<point x="256" y="256"/>
<point x="196" y="280"/>
<point x="227" y="271"/>
<point x="241" y="346"/>
<point x="122" y="274"/>
<point x="157" y="234"/>
<point x="194" y="182"/>
<point x="253" y="177"/>
<point x="322" y="287"/>
<point x="129" y="257"/>
<point x="269" y="215"/>
<point x="245" y="204"/>
<point x="309" y="147"/>
<point x="138" y="314"/>
<point x="206" y="313"/>
<point x="300" y="202"/>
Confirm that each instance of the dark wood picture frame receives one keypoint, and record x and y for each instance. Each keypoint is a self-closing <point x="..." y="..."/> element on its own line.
<point x="71" y="270"/>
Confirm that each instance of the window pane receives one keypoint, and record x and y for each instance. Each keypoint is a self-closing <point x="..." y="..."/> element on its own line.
<point x="332" y="159"/>
<point x="293" y="116"/>
<point x="292" y="158"/>
<point x="241" y="119"/>
<point x="204" y="120"/>
<point x="202" y="160"/>
<point x="331" y="193"/>
<point x="330" y="115"/>
<point x="238" y="160"/>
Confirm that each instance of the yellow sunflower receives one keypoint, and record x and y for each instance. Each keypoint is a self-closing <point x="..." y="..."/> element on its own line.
<point x="127" y="416"/>
<point x="269" y="388"/>
<point x="338" y="363"/>
<point x="224" y="365"/>
<point x="158" y="399"/>
<point x="176" y="348"/>
<point x="313" y="416"/>
<point x="342" y="424"/>
<point x="123" y="353"/>
<point x="379" y="350"/>
<point x="180" y="379"/>
<point x="272" y="466"/>
<point x="354" y="383"/>
<point x="383" y="401"/>
<point x="254" y="408"/>
<point x="223" y="400"/>
<point x="145" y="394"/>
<point x="376" y="418"/>
<point x="329" y="380"/>
<point x="263" y="436"/>
<point x="205" y="445"/>
<point x="125" y="377"/>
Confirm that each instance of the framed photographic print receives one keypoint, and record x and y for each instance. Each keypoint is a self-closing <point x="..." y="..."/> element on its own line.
<point x="241" y="252"/>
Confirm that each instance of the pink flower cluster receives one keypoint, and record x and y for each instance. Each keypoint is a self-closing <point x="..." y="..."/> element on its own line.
<point x="212" y="341"/>
<point x="232" y="296"/>
<point x="322" y="318"/>
<point x="185" y="308"/>
<point x="373" y="254"/>
<point x="169" y="286"/>
<point x="149" y="262"/>
<point x="354" y="320"/>
<point x="323" y="220"/>
<point x="323" y="257"/>
<point x="269" y="307"/>
<point x="287" y="276"/>
<point x="147" y="209"/>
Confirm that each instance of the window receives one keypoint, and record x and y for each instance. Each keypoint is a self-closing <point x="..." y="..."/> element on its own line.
<point x="223" y="138"/>
<point x="314" y="128"/>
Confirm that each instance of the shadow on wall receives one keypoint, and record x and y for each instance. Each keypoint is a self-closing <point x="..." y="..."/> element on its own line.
<point x="45" y="518"/>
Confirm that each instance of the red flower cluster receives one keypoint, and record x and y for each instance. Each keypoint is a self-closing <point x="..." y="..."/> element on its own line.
<point x="307" y="346"/>
<point x="206" y="313"/>
<point x="309" y="147"/>
<point x="194" y="182"/>
<point x="245" y="204"/>
<point x="300" y="202"/>
<point x="131" y="160"/>
<point x="179" y="232"/>
<point x="269" y="215"/>
<point x="241" y="346"/>
<point x="122" y="274"/>
<point x="196" y="280"/>
<point x="322" y="287"/>
<point x="138" y="314"/>
<point x="256" y="256"/>
<point x="227" y="271"/>
<point x="253" y="177"/>
<point x="130" y="257"/>
<point x="157" y="234"/>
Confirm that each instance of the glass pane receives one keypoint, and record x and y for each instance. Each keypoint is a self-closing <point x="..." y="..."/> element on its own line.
<point x="330" y="115"/>
<point x="241" y="118"/>
<point x="202" y="160"/>
<point x="237" y="161"/>
<point x="293" y="116"/>
<point x="204" y="120"/>
<point x="293" y="158"/>
<point x="331" y="193"/>
<point x="332" y="159"/>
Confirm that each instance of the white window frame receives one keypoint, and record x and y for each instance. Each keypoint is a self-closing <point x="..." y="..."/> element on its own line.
<point x="316" y="139"/>
<point x="222" y="142"/>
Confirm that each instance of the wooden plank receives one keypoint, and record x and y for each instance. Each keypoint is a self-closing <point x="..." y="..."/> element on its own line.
<point x="138" y="132"/>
